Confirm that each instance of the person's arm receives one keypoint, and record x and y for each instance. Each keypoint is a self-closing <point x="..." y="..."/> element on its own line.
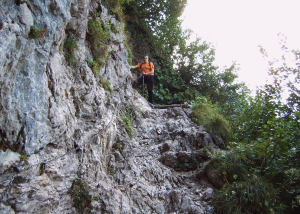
<point x="134" y="66"/>
<point x="151" y="72"/>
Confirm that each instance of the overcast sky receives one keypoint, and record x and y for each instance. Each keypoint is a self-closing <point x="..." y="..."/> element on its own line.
<point x="237" y="27"/>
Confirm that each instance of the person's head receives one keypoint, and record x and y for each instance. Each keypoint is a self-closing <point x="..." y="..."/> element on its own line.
<point x="146" y="58"/>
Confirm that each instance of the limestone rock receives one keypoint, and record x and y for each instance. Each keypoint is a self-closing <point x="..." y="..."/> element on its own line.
<point x="69" y="126"/>
<point x="7" y="159"/>
<point x="6" y="209"/>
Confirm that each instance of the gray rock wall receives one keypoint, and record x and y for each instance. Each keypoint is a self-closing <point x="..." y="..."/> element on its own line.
<point x="60" y="125"/>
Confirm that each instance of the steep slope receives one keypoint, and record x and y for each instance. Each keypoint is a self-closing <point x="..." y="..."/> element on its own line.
<point x="62" y="137"/>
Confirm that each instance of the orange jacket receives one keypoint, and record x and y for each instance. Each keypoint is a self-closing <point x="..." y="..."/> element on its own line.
<point x="146" y="67"/>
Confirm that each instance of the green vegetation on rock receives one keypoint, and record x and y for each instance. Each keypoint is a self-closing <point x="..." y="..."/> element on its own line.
<point x="98" y="36"/>
<point x="207" y="115"/>
<point x="262" y="129"/>
<point x="80" y="194"/>
<point x="69" y="47"/>
<point x="36" y="33"/>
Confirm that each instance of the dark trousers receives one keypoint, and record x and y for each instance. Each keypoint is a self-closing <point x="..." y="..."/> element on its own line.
<point x="149" y="81"/>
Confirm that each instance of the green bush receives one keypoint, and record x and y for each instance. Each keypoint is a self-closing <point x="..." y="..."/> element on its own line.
<point x="36" y="33"/>
<point x="70" y="45"/>
<point x="205" y="114"/>
<point x="241" y="189"/>
<point x="97" y="37"/>
<point x="227" y="169"/>
<point x="81" y="196"/>
<point x="96" y="30"/>
<point x="253" y="195"/>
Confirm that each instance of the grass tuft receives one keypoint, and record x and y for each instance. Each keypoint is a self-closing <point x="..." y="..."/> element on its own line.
<point x="127" y="123"/>
<point x="128" y="114"/>
<point x="106" y="85"/>
<point x="94" y="66"/>
<point x="207" y="115"/>
<point x="36" y="33"/>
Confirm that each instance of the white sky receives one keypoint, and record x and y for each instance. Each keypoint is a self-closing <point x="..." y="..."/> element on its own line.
<point x="237" y="27"/>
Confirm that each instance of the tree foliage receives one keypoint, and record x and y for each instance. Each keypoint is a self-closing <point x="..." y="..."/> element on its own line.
<point x="266" y="127"/>
<point x="270" y="127"/>
<point x="184" y="69"/>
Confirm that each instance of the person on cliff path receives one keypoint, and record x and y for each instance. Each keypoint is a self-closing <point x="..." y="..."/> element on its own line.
<point x="147" y="76"/>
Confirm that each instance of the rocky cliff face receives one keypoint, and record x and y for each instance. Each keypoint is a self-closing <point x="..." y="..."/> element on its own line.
<point x="64" y="147"/>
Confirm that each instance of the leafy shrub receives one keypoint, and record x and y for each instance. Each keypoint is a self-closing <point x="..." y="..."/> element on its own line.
<point x="283" y="176"/>
<point x="227" y="169"/>
<point x="97" y="37"/>
<point x="70" y="45"/>
<point x="204" y="113"/>
<point x="81" y="196"/>
<point x="242" y="189"/>
<point x="253" y="195"/>
<point x="36" y="33"/>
